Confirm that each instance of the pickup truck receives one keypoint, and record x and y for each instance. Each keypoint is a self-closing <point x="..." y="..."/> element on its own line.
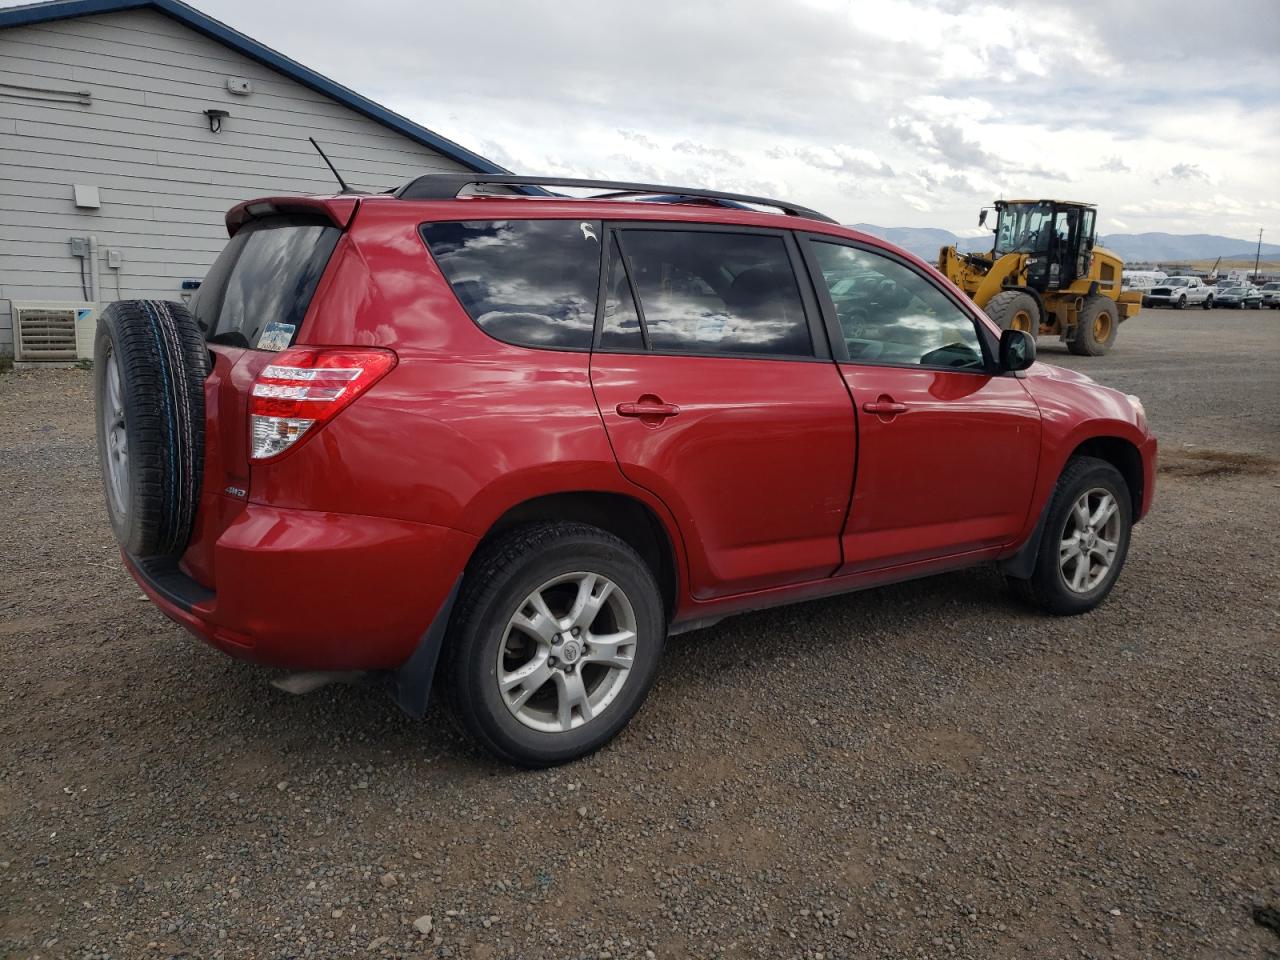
<point x="1179" y="292"/>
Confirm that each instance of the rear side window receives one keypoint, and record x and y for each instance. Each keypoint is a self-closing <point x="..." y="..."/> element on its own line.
<point x="529" y="282"/>
<point x="260" y="287"/>
<point x="709" y="292"/>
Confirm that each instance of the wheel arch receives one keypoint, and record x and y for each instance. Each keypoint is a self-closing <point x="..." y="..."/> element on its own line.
<point x="1121" y="453"/>
<point x="627" y="518"/>
<point x="1124" y="456"/>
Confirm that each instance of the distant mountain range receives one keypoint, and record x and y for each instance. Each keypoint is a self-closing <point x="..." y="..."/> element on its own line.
<point x="1154" y="247"/>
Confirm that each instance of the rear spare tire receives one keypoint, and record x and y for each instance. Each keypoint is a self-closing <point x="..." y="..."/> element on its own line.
<point x="1096" y="327"/>
<point x="1015" y="310"/>
<point x="150" y="363"/>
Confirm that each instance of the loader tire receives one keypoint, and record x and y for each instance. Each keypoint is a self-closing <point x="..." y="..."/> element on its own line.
<point x="150" y="363"/>
<point x="1015" y="310"/>
<point x="1095" y="327"/>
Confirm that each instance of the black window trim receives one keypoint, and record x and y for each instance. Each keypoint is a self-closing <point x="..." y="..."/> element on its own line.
<point x="818" y="335"/>
<point x="419" y="230"/>
<point x="986" y="339"/>
<point x="598" y="336"/>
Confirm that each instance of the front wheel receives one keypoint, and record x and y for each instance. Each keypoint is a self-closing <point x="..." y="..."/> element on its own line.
<point x="555" y="642"/>
<point x="1096" y="327"/>
<point x="1015" y="310"/>
<point x="1085" y="539"/>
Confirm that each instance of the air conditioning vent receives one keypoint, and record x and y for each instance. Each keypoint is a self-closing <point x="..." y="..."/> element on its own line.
<point x="53" y="331"/>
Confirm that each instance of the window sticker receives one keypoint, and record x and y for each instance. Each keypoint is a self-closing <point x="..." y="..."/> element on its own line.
<point x="276" y="336"/>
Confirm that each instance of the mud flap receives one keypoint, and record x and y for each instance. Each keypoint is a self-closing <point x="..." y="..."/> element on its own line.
<point x="411" y="684"/>
<point x="1022" y="564"/>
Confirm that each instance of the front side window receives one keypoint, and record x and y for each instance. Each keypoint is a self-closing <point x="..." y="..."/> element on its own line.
<point x="890" y="314"/>
<point x="528" y="282"/>
<point x="712" y="292"/>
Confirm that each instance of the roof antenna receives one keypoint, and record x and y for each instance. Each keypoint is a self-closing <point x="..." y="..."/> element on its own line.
<point x="342" y="183"/>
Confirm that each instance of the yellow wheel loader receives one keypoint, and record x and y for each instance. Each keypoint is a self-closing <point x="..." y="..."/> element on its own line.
<point x="1045" y="275"/>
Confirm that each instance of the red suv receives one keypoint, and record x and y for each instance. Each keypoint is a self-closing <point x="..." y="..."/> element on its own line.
<point x="524" y="437"/>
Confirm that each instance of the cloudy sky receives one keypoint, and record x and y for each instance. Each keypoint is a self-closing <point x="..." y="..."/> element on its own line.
<point x="896" y="112"/>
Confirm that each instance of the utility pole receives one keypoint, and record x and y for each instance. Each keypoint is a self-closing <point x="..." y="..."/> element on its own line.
<point x="1257" y="258"/>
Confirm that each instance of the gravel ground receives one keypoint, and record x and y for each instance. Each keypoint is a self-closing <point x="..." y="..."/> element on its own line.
<point x="925" y="770"/>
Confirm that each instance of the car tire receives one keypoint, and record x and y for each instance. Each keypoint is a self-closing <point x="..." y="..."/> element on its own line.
<point x="1182" y="302"/>
<point x="150" y="364"/>
<point x="1015" y="310"/>
<point x="1096" y="327"/>
<point x="1208" y="303"/>
<point x="1054" y="585"/>
<point x="497" y="631"/>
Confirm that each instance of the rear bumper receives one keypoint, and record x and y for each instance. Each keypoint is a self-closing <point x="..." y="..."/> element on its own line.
<point x="306" y="590"/>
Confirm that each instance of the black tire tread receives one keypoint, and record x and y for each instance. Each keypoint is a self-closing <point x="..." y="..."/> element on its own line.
<point x="163" y="362"/>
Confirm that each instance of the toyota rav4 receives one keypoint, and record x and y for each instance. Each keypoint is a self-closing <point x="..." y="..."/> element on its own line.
<point x="510" y="442"/>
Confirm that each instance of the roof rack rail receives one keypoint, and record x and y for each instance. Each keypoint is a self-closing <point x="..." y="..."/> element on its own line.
<point x="447" y="186"/>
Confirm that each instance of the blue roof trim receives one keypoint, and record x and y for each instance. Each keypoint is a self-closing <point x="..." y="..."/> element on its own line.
<point x="193" y="18"/>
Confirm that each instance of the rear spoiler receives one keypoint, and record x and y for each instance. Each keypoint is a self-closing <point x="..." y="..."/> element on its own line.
<point x="337" y="210"/>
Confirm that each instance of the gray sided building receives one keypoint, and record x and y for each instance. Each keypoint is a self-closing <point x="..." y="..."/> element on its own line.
<point x="127" y="130"/>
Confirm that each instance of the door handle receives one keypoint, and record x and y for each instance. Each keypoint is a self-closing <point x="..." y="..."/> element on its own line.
<point x="885" y="408"/>
<point x="648" y="408"/>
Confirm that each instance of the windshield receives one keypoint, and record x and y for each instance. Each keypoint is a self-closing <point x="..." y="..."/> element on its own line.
<point x="1024" y="228"/>
<point x="1176" y="282"/>
<point x="1272" y="286"/>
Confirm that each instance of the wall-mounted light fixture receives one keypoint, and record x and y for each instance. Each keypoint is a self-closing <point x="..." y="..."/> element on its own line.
<point x="215" y="119"/>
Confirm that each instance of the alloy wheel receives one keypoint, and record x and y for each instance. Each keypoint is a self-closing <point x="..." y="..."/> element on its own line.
<point x="567" y="652"/>
<point x="1090" y="540"/>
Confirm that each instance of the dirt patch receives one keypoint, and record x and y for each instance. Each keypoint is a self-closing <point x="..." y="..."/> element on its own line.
<point x="1214" y="463"/>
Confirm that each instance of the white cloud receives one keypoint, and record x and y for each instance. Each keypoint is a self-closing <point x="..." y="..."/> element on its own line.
<point x="901" y="112"/>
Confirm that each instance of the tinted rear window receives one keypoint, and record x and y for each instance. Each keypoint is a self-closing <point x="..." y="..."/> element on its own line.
<point x="528" y="282"/>
<point x="258" y="290"/>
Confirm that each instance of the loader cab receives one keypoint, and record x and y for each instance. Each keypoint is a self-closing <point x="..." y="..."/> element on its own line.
<point x="1056" y="238"/>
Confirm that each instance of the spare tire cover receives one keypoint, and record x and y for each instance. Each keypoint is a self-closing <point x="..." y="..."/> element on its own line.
<point x="150" y="364"/>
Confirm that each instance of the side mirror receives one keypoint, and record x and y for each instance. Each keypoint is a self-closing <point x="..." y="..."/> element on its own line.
<point x="982" y="216"/>
<point x="1017" y="350"/>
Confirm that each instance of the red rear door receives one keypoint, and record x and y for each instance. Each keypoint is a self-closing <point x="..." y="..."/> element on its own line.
<point x="948" y="448"/>
<point x="717" y="400"/>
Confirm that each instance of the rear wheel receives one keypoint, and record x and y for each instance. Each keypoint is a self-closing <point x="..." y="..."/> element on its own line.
<point x="1085" y="540"/>
<point x="555" y="642"/>
<point x="1208" y="303"/>
<point x="1015" y="310"/>
<point x="1096" y="327"/>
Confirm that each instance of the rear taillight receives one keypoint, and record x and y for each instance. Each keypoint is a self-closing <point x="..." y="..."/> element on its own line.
<point x="303" y="388"/>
